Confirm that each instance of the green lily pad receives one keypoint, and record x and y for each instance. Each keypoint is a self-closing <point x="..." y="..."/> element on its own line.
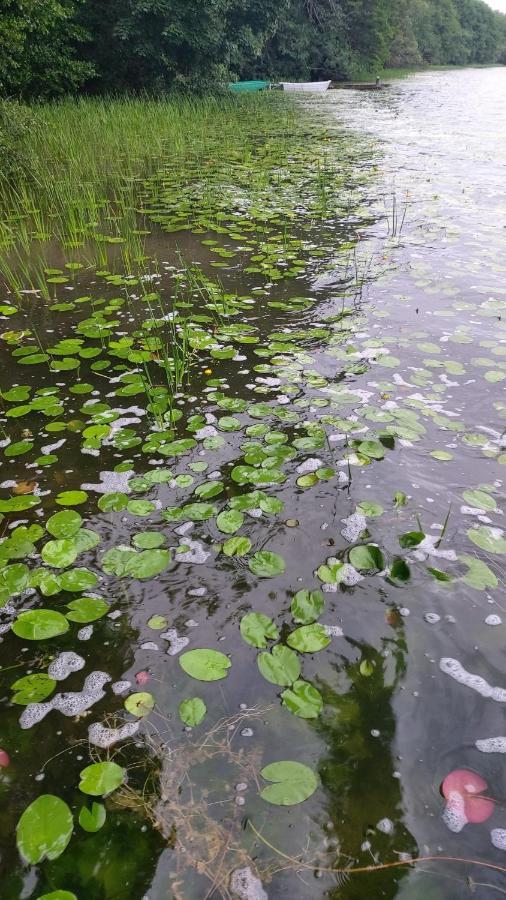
<point x="192" y="712"/>
<point x="307" y="606"/>
<point x="86" y="609"/>
<point x="32" y="688"/>
<point x="257" y="629"/>
<point x="237" y="546"/>
<point x="490" y="539"/>
<point x="64" y="524"/>
<point x="367" y="557"/>
<point x="265" y="564"/>
<point x="205" y="665"/>
<point x="309" y="638"/>
<point x="92" y="820"/>
<point x="101" y="779"/>
<point x="140" y="704"/>
<point x="44" y="829"/>
<point x="230" y="521"/>
<point x="71" y="498"/>
<point x="40" y="624"/>
<point x="303" y="700"/>
<point x="292" y="783"/>
<point x="480" y="500"/>
<point x="60" y="553"/>
<point x="280" y="666"/>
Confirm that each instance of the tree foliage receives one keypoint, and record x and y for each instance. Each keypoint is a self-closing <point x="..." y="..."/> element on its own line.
<point x="51" y="47"/>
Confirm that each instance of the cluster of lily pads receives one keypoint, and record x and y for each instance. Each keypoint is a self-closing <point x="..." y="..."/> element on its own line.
<point x="243" y="398"/>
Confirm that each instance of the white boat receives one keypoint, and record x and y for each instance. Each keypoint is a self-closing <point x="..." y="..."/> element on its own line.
<point x="306" y="86"/>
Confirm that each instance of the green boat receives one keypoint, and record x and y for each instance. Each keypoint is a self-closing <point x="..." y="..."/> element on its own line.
<point x="248" y="86"/>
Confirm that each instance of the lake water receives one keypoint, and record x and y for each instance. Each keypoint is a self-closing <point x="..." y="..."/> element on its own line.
<point x="371" y="388"/>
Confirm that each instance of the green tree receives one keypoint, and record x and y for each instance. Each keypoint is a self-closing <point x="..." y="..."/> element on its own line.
<point x="39" y="42"/>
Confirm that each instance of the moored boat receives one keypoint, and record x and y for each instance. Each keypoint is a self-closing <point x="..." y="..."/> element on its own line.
<point x="306" y="86"/>
<point x="248" y="86"/>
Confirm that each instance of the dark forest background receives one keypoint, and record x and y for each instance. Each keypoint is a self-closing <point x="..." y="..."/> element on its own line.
<point x="53" y="47"/>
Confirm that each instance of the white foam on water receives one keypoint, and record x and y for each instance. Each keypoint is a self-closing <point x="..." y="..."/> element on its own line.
<point x="309" y="465"/>
<point x="64" y="665"/>
<point x="492" y="745"/>
<point x="70" y="704"/>
<point x="176" y="643"/>
<point x="103" y="737"/>
<point x="121" y="687"/>
<point x="181" y="530"/>
<point x="84" y="634"/>
<point x="333" y="630"/>
<point x="454" y="815"/>
<point x="455" y="670"/>
<point x="110" y="482"/>
<point x="354" y="526"/>
<point x="498" y="838"/>
<point x="386" y="826"/>
<point x="196" y="554"/>
<point x="246" y="886"/>
<point x="206" y="432"/>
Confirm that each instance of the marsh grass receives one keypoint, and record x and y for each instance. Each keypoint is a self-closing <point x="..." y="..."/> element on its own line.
<point x="89" y="158"/>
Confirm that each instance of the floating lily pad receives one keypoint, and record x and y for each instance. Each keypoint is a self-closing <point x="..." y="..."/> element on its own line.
<point x="367" y="558"/>
<point x="490" y="539"/>
<point x="65" y="524"/>
<point x="92" y="820"/>
<point x="205" y="665"/>
<point x="257" y="629"/>
<point x="40" y="624"/>
<point x="293" y="783"/>
<point x="59" y="553"/>
<point x="192" y="712"/>
<point x="266" y="564"/>
<point x="71" y="498"/>
<point x="32" y="688"/>
<point x="307" y="606"/>
<point x="101" y="779"/>
<point x="87" y="609"/>
<point x="303" y="700"/>
<point x="44" y="830"/>
<point x="280" y="666"/>
<point x="140" y="704"/>
<point x="309" y="638"/>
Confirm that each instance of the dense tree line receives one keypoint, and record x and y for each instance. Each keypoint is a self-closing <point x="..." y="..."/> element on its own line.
<point x="49" y="47"/>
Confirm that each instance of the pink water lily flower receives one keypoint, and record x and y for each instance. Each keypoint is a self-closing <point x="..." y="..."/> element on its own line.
<point x="461" y="790"/>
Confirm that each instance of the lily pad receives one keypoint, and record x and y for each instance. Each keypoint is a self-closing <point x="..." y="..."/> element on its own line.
<point x="192" y="712"/>
<point x="490" y="539"/>
<point x="367" y="557"/>
<point x="257" y="629"/>
<point x="303" y="700"/>
<point x="40" y="624"/>
<point x="307" y="606"/>
<point x="92" y="820"/>
<point x="32" y="688"/>
<point x="140" y="704"/>
<point x="205" y="665"/>
<point x="265" y="564"/>
<point x="71" y="498"/>
<point x="44" y="830"/>
<point x="87" y="609"/>
<point x="101" y="779"/>
<point x="293" y="783"/>
<point x="280" y="666"/>
<point x="60" y="553"/>
<point x="309" y="638"/>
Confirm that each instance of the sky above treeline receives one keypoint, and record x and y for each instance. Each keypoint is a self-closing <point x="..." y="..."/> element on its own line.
<point x="498" y="4"/>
